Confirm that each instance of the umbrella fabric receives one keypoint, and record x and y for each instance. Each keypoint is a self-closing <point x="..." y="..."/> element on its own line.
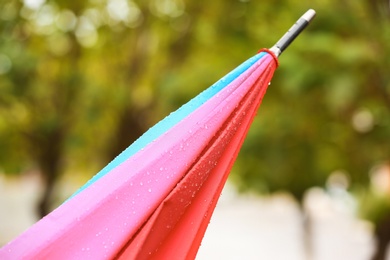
<point x="155" y="200"/>
<point x="175" y="117"/>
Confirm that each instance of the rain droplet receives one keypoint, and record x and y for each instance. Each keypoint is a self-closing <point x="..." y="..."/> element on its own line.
<point x="150" y="190"/>
<point x="161" y="168"/>
<point x="141" y="183"/>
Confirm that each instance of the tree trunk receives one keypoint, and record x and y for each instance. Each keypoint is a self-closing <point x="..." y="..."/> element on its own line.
<point x="382" y="233"/>
<point x="49" y="153"/>
<point x="45" y="202"/>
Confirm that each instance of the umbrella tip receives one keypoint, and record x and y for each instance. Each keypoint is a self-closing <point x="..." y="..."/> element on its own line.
<point x="309" y="15"/>
<point x="294" y="31"/>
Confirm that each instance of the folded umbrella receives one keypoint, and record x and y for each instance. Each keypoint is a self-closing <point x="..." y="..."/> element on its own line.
<point x="156" y="199"/>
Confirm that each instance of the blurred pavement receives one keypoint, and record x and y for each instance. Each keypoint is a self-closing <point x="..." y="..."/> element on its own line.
<point x="242" y="226"/>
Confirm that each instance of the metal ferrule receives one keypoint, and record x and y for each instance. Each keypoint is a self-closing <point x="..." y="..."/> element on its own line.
<point x="293" y="32"/>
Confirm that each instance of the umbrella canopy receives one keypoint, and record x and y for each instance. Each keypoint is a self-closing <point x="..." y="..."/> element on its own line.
<point x="155" y="200"/>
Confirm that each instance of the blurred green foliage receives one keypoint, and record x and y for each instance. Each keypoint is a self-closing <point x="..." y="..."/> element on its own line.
<point x="81" y="80"/>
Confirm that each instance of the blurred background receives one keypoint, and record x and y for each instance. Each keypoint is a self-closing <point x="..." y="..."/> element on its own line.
<point x="81" y="80"/>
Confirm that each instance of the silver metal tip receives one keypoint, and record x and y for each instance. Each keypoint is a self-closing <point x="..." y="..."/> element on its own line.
<point x="293" y="32"/>
<point x="309" y="15"/>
